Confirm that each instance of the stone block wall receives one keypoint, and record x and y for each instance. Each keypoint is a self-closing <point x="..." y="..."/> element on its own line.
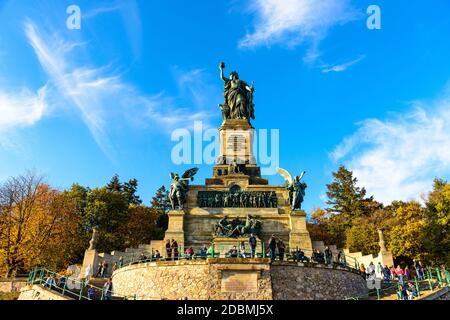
<point x="236" y="279"/>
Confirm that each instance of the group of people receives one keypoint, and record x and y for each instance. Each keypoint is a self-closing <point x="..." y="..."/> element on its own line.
<point x="172" y="249"/>
<point x="407" y="289"/>
<point x="58" y="284"/>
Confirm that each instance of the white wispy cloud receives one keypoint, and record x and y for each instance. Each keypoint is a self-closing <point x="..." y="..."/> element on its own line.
<point x="101" y="10"/>
<point x="397" y="159"/>
<point x="101" y="95"/>
<point x="21" y="107"/>
<point x="341" y="67"/>
<point x="294" y="21"/>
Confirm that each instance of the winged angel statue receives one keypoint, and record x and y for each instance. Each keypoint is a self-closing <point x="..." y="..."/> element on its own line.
<point x="179" y="187"/>
<point x="295" y="187"/>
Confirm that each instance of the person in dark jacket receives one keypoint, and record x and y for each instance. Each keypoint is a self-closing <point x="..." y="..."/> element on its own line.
<point x="273" y="246"/>
<point x="281" y="249"/>
<point x="252" y="242"/>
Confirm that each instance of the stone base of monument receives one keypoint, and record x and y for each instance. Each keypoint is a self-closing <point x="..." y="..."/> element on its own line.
<point x="223" y="245"/>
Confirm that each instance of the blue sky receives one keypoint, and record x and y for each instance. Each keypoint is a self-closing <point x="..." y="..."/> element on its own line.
<point x="82" y="105"/>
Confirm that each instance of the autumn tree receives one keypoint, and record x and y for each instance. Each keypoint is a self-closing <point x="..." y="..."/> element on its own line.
<point x="406" y="229"/>
<point x="436" y="232"/>
<point x="28" y="214"/>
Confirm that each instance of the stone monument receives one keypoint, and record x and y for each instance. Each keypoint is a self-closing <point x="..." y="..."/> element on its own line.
<point x="236" y="200"/>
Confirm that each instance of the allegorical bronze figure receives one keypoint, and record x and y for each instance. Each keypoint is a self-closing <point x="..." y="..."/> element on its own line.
<point x="179" y="187"/>
<point x="295" y="187"/>
<point x="238" y="97"/>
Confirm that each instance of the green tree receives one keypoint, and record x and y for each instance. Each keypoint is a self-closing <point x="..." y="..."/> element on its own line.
<point x="161" y="203"/>
<point x="107" y="211"/>
<point x="129" y="190"/>
<point x="115" y="185"/>
<point x="345" y="197"/>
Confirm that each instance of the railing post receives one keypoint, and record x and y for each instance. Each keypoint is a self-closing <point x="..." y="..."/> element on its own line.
<point x="438" y="272"/>
<point x="378" y="294"/>
<point x="81" y="290"/>
<point x="65" y="286"/>
<point x="417" y="287"/>
<point x="41" y="276"/>
<point x="103" y="294"/>
<point x="429" y="280"/>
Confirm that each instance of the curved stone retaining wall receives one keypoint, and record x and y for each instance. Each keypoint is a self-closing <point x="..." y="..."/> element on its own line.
<point x="291" y="282"/>
<point x="236" y="279"/>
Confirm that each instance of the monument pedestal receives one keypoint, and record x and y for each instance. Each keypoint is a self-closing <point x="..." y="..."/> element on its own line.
<point x="299" y="235"/>
<point x="175" y="228"/>
<point x="90" y="258"/>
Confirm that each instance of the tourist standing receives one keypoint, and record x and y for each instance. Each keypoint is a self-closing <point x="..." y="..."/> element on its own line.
<point x="242" y="252"/>
<point x="104" y="268"/>
<point x="393" y="273"/>
<point x="174" y="247"/>
<point x="121" y="262"/>
<point x="379" y="270"/>
<point x="407" y="273"/>
<point x="99" y="270"/>
<point x="387" y="275"/>
<point x="252" y="242"/>
<point x="281" y="249"/>
<point x="400" y="273"/>
<point x="371" y="271"/>
<point x="108" y="288"/>
<point x="362" y="269"/>
<point x="168" y="250"/>
<point x="419" y="270"/>
<point x="91" y="293"/>
<point x="210" y="253"/>
<point x="272" y="246"/>
<point x="328" y="256"/>
<point x="204" y="251"/>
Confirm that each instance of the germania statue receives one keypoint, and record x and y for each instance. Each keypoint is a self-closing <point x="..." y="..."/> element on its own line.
<point x="238" y="97"/>
<point x="179" y="187"/>
<point x="295" y="187"/>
